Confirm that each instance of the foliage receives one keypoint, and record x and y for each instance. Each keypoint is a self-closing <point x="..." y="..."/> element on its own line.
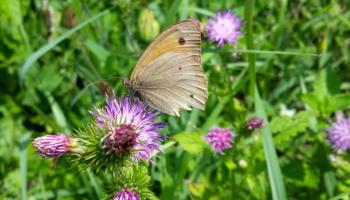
<point x="60" y="88"/>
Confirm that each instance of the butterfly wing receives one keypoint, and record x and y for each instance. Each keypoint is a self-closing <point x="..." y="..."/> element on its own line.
<point x="173" y="82"/>
<point x="183" y="37"/>
<point x="169" y="74"/>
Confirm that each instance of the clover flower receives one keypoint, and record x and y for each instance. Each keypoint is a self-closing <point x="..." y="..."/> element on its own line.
<point x="339" y="134"/>
<point x="224" y="27"/>
<point x="131" y="128"/>
<point x="126" y="194"/>
<point x="219" y="139"/>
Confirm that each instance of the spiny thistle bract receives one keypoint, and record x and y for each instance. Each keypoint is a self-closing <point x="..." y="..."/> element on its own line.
<point x="131" y="181"/>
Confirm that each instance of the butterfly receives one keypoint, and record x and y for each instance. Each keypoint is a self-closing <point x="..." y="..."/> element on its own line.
<point x="168" y="76"/>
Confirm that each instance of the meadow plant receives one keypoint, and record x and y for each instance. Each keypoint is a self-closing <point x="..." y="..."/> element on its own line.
<point x="124" y="134"/>
<point x="224" y="27"/>
<point x="219" y="139"/>
<point x="126" y="151"/>
<point x="339" y="133"/>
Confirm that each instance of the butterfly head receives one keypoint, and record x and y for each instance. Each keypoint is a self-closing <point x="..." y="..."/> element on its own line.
<point x="134" y="90"/>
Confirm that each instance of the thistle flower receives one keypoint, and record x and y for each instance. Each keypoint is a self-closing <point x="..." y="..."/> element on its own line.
<point x="54" y="145"/>
<point x="126" y="194"/>
<point x="225" y="27"/>
<point x="339" y="134"/>
<point x="255" y="122"/>
<point x="131" y="128"/>
<point x="219" y="139"/>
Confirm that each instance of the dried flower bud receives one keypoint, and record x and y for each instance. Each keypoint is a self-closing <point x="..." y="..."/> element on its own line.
<point x="255" y="122"/>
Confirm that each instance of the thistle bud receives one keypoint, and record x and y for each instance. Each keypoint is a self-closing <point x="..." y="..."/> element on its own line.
<point x="149" y="27"/>
<point x="52" y="145"/>
<point x="255" y="122"/>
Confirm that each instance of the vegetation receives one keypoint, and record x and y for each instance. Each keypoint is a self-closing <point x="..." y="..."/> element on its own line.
<point x="290" y="67"/>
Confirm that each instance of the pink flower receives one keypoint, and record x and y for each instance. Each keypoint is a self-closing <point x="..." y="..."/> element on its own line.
<point x="224" y="27"/>
<point x="126" y="194"/>
<point x="131" y="128"/>
<point x="339" y="134"/>
<point x="219" y="139"/>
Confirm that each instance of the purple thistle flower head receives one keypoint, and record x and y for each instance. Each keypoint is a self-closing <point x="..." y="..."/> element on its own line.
<point x="219" y="139"/>
<point x="126" y="194"/>
<point x="255" y="122"/>
<point x="339" y="134"/>
<point x="131" y="128"/>
<point x="52" y="145"/>
<point x="224" y="27"/>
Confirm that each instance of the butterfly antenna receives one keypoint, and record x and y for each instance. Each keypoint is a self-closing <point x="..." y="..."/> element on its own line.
<point x="99" y="81"/>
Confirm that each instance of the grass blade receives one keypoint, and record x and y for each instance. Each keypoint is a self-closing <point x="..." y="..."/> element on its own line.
<point x="23" y="164"/>
<point x="44" y="49"/>
<point x="256" y="51"/>
<point x="57" y="113"/>
<point x="248" y="9"/>
<point x="170" y="18"/>
<point x="94" y="183"/>
<point x="201" y="11"/>
<point x="274" y="170"/>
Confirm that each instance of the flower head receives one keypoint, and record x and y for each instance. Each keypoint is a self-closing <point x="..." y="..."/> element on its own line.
<point x="126" y="194"/>
<point x="255" y="122"/>
<point x="224" y="27"/>
<point x="219" y="139"/>
<point x="52" y="145"/>
<point x="131" y="128"/>
<point x="339" y="134"/>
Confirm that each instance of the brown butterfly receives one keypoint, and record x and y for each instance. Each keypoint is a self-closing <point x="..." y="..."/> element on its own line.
<point x="168" y="76"/>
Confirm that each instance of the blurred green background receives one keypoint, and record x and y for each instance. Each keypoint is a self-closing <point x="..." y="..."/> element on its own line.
<point x="300" y="93"/>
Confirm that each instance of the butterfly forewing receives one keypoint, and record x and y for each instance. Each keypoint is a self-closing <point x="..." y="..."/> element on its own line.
<point x="168" y="74"/>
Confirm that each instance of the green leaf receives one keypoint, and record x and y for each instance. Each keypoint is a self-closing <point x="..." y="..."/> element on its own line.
<point x="11" y="9"/>
<point x="273" y="167"/>
<point x="289" y="127"/>
<point x="214" y="115"/>
<point x="23" y="163"/>
<point x="44" y="49"/>
<point x="58" y="113"/>
<point x="330" y="182"/>
<point x="170" y="18"/>
<point x="340" y="102"/>
<point x="191" y="142"/>
<point x="97" y="50"/>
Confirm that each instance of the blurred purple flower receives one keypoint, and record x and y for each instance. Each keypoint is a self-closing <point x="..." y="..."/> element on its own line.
<point x="224" y="27"/>
<point x="126" y="194"/>
<point x="339" y="134"/>
<point x="132" y="129"/>
<point x="255" y="122"/>
<point x="52" y="145"/>
<point x="219" y="139"/>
